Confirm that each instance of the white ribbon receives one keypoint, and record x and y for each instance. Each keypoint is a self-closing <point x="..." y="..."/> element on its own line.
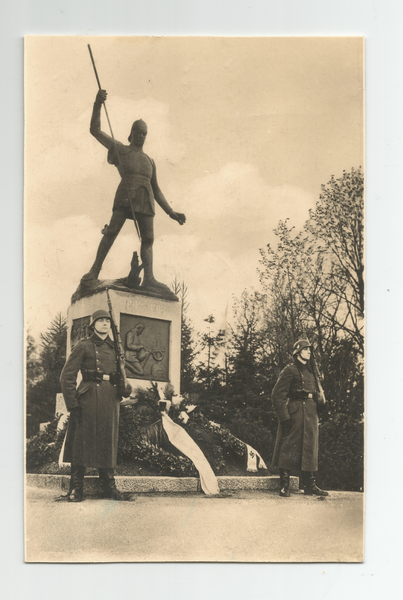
<point x="183" y="442"/>
<point x="255" y="461"/>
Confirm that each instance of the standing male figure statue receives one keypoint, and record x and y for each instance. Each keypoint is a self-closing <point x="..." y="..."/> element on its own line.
<point x="136" y="193"/>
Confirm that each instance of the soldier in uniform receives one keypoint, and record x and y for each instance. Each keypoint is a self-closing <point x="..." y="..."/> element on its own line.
<point x="294" y="399"/>
<point x="139" y="180"/>
<point x="93" y="430"/>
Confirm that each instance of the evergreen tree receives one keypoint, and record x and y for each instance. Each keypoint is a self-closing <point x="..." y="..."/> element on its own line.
<point x="188" y="352"/>
<point x="32" y="364"/>
<point x="43" y="374"/>
<point x="246" y="345"/>
<point x="209" y="372"/>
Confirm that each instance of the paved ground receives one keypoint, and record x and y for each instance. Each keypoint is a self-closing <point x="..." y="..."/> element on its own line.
<point x="241" y="527"/>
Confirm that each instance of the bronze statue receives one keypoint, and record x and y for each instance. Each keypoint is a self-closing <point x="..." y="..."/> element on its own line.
<point x="135" y="196"/>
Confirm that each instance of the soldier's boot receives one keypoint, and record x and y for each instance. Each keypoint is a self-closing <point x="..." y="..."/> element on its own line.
<point x="108" y="485"/>
<point x="285" y="483"/>
<point x="310" y="487"/>
<point x="76" y="483"/>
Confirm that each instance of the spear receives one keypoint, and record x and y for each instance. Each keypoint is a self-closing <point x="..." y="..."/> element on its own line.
<point x="116" y="149"/>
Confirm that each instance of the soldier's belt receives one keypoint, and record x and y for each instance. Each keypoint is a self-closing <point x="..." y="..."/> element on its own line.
<point x="302" y="396"/>
<point x="98" y="376"/>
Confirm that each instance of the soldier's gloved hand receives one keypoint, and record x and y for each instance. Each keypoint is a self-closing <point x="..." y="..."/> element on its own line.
<point x="286" y="427"/>
<point x="126" y="391"/>
<point x="75" y="412"/>
<point x="180" y="217"/>
<point x="101" y="97"/>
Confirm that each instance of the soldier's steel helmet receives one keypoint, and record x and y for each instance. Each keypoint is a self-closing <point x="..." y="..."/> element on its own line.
<point x="99" y="314"/>
<point x="300" y="345"/>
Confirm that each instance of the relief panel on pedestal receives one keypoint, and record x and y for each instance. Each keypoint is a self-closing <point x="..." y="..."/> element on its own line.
<point x="146" y="344"/>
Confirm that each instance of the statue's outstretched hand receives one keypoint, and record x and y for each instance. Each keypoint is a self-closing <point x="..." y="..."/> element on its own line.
<point x="101" y="96"/>
<point x="180" y="217"/>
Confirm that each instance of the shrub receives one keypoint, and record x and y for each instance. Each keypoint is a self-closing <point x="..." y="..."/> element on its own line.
<point x="257" y="428"/>
<point x="134" y="449"/>
<point x="44" y="447"/>
<point x="341" y="454"/>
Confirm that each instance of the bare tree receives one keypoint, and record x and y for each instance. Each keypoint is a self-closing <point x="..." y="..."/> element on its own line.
<point x="337" y="226"/>
<point x="314" y="278"/>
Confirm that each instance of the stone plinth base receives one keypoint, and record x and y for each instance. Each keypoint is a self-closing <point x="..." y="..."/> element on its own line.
<point x="161" y="484"/>
<point x="150" y="330"/>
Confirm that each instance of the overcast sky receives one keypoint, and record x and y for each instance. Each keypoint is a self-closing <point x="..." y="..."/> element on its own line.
<point x="243" y="130"/>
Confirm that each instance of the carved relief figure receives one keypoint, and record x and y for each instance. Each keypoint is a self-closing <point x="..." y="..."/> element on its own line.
<point x="137" y="353"/>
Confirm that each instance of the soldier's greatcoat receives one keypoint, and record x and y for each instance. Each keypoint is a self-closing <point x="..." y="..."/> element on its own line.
<point x="93" y="430"/>
<point x="297" y="451"/>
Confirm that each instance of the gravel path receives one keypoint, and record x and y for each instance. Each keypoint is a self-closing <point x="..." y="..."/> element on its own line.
<point x="242" y="526"/>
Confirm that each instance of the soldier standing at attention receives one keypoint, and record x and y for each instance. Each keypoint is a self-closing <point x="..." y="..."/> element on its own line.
<point x="295" y="397"/>
<point x="93" y="429"/>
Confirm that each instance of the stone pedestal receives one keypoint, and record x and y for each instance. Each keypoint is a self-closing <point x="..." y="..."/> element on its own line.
<point x="150" y="329"/>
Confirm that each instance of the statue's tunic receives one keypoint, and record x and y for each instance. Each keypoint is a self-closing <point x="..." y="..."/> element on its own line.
<point x="138" y="173"/>
<point x="297" y="451"/>
<point x="93" y="430"/>
<point x="139" y="178"/>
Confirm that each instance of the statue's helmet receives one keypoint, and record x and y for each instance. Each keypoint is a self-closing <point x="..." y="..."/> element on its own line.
<point x="139" y="124"/>
<point x="300" y="345"/>
<point x="99" y="314"/>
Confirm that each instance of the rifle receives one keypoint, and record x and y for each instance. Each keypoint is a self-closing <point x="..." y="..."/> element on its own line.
<point x="321" y="397"/>
<point x="120" y="353"/>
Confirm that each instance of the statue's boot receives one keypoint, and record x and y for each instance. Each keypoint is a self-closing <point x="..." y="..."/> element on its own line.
<point x="152" y="283"/>
<point x="92" y="275"/>
<point x="149" y="280"/>
<point x="104" y="246"/>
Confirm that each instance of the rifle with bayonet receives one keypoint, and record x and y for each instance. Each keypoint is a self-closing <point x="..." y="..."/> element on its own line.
<point x="125" y="386"/>
<point x="321" y="396"/>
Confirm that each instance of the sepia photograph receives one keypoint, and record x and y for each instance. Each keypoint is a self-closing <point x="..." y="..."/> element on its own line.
<point x="194" y="292"/>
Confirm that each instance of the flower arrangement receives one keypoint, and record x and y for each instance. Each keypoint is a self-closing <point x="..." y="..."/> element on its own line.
<point x="143" y="442"/>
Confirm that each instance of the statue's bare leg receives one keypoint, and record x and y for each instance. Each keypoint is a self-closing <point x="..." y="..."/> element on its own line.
<point x="116" y="223"/>
<point x="146" y="226"/>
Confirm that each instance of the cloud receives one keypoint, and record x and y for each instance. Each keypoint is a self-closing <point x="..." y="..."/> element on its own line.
<point x="236" y="210"/>
<point x="55" y="259"/>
